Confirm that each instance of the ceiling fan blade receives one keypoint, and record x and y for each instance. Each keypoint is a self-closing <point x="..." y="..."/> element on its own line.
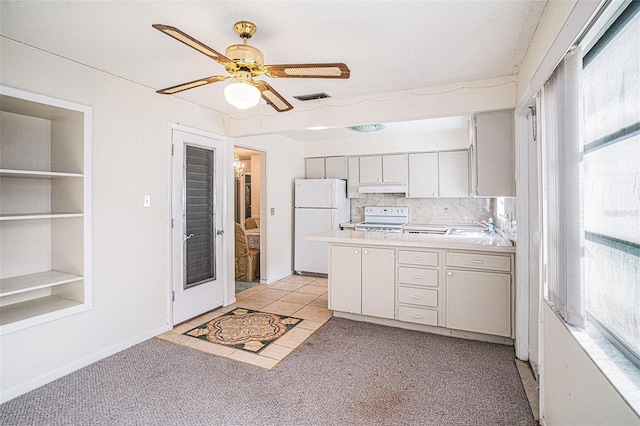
<point x="272" y="97"/>
<point x="190" y="85"/>
<point x="336" y="70"/>
<point x="192" y="42"/>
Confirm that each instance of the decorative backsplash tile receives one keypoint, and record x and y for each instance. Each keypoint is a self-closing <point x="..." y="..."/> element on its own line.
<point x="454" y="210"/>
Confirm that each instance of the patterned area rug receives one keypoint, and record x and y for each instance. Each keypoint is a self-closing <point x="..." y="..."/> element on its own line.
<point x="245" y="329"/>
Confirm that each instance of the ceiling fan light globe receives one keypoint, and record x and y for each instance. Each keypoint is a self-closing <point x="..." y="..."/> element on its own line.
<point x="242" y="95"/>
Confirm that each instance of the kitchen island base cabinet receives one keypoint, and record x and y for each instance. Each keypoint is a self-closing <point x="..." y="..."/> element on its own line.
<point x="478" y="301"/>
<point x="359" y="280"/>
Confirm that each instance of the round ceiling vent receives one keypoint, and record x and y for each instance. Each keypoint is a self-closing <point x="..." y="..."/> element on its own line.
<point x="366" y="128"/>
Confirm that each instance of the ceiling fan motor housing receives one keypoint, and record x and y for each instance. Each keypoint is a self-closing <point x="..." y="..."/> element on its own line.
<point x="245" y="56"/>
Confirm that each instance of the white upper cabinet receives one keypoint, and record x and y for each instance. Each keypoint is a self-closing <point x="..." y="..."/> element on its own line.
<point x="439" y="174"/>
<point x="314" y="168"/>
<point x="453" y="173"/>
<point x="335" y="167"/>
<point x="353" y="177"/>
<point x="423" y="175"/>
<point x="377" y="169"/>
<point x="494" y="143"/>
<point x="326" y="168"/>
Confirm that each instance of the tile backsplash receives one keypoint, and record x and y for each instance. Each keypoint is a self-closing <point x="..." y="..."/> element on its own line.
<point x="454" y="210"/>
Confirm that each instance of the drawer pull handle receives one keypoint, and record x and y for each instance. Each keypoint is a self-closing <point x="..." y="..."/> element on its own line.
<point x="419" y="316"/>
<point x="477" y="261"/>
<point x="416" y="296"/>
<point x="418" y="258"/>
<point x="417" y="277"/>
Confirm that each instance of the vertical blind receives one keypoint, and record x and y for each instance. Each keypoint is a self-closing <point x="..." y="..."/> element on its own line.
<point x="562" y="149"/>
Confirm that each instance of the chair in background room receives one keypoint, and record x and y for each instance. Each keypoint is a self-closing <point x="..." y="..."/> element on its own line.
<point x="247" y="259"/>
<point x="250" y="223"/>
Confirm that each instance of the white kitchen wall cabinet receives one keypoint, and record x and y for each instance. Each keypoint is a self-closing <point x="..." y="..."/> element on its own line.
<point x="359" y="280"/>
<point x="478" y="290"/>
<point x="494" y="147"/>
<point x="387" y="169"/>
<point x="439" y="174"/>
<point x="314" y="168"/>
<point x="353" y="177"/>
<point x="45" y="209"/>
<point x="335" y="167"/>
<point x="453" y="168"/>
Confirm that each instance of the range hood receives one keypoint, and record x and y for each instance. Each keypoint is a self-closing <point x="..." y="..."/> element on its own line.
<point x="383" y="189"/>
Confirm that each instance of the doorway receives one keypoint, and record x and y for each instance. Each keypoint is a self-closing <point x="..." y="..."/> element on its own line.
<point x="198" y="263"/>
<point x="248" y="172"/>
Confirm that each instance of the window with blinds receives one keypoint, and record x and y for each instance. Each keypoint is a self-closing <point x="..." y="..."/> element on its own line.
<point x="199" y="216"/>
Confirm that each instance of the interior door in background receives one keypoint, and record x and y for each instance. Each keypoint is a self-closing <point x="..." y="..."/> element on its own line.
<point x="196" y="207"/>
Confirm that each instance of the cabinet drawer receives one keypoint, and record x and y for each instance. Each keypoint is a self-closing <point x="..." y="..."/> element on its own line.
<point x="489" y="262"/>
<point x="418" y="315"/>
<point x="418" y="276"/>
<point x="418" y="296"/>
<point x="423" y="258"/>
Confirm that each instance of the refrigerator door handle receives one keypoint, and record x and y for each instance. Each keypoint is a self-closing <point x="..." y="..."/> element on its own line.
<point x="333" y="194"/>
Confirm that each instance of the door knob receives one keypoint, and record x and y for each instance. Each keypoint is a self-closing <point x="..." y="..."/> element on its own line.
<point x="185" y="237"/>
<point x="220" y="232"/>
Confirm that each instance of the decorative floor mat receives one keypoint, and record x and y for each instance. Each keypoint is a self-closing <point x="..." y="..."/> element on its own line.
<point x="245" y="329"/>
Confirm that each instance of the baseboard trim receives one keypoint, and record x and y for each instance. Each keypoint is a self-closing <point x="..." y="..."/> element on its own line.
<point x="23" y="388"/>
<point x="271" y="280"/>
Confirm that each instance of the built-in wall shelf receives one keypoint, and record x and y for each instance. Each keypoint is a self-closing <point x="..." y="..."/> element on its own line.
<point x="38" y="216"/>
<point x="45" y="209"/>
<point x="48" y="307"/>
<point x="23" y="283"/>
<point x="37" y="174"/>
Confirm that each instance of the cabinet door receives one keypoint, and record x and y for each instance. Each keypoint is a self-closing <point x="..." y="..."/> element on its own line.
<point x="454" y="173"/>
<point x="394" y="168"/>
<point x="335" y="167"/>
<point x="371" y="169"/>
<point x="423" y="175"/>
<point x="378" y="289"/>
<point x="495" y="154"/>
<point x="353" y="177"/>
<point x="344" y="279"/>
<point x="314" y="168"/>
<point x="478" y="301"/>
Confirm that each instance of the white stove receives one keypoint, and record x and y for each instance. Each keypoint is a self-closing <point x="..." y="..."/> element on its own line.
<point x="384" y="219"/>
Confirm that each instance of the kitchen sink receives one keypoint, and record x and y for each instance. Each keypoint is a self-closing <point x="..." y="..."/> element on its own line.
<point x="469" y="232"/>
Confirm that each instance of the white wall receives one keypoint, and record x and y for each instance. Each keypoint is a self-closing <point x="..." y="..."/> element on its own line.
<point x="284" y="163"/>
<point x="575" y="391"/>
<point x="130" y="243"/>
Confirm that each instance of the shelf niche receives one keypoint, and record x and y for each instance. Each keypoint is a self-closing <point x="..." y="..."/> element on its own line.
<point x="45" y="202"/>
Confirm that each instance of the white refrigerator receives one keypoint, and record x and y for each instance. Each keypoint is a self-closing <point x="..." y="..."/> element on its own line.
<point x="321" y="205"/>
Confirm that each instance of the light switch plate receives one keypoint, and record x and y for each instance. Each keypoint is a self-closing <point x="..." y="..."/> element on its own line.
<point x="147" y="201"/>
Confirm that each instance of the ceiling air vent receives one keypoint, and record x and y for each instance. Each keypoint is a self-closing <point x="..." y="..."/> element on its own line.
<point x="311" y="97"/>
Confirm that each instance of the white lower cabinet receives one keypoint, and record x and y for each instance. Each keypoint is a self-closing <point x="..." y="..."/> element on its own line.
<point x="478" y="300"/>
<point x="418" y="290"/>
<point x="361" y="280"/>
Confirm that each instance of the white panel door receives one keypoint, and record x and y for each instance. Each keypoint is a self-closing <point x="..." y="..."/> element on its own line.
<point x="344" y="279"/>
<point x="378" y="282"/>
<point x="454" y="173"/>
<point x="311" y="256"/>
<point x="196" y="206"/>
<point x="478" y="301"/>
<point x="394" y="168"/>
<point x="423" y="175"/>
<point x="314" y="168"/>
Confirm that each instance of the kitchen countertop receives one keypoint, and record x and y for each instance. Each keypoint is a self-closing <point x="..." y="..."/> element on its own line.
<point x="456" y="242"/>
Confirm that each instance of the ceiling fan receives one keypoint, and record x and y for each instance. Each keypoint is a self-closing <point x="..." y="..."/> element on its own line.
<point x="244" y="62"/>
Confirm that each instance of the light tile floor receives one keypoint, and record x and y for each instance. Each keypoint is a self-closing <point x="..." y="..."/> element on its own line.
<point x="297" y="296"/>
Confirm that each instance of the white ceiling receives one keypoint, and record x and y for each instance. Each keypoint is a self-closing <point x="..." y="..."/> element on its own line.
<point x="388" y="45"/>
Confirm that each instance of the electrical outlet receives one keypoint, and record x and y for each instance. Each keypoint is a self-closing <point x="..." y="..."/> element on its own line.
<point x="147" y="201"/>
<point x="273" y="211"/>
<point x="357" y="210"/>
<point x="445" y="211"/>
